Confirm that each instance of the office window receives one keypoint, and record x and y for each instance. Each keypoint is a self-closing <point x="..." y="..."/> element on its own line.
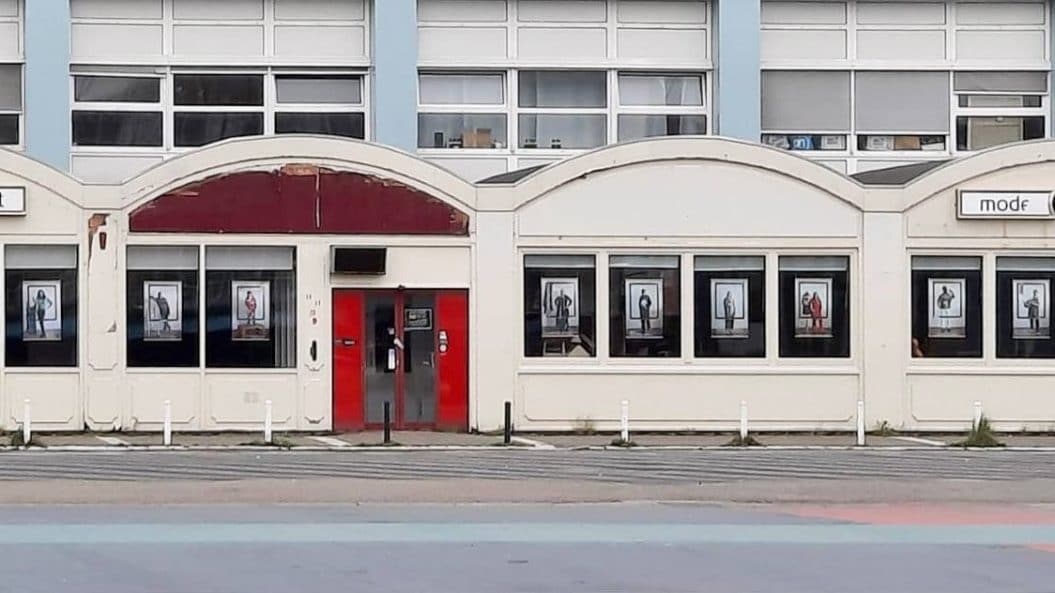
<point x="946" y="307"/>
<point x="41" y="305"/>
<point x="562" y="109"/>
<point x="234" y="102"/>
<point x="1023" y="307"/>
<point x="730" y="306"/>
<point x="661" y="105"/>
<point x="316" y="104"/>
<point x="162" y="306"/>
<point x="1000" y="107"/>
<point x="250" y="307"/>
<point x="814" y="307"/>
<point x="645" y="306"/>
<point x="458" y="110"/>
<point x="806" y="110"/>
<point x="901" y="111"/>
<point x="10" y="104"/>
<point x="560" y="306"/>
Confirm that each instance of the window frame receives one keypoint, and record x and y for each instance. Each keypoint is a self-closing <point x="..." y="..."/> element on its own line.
<point x="19" y="113"/>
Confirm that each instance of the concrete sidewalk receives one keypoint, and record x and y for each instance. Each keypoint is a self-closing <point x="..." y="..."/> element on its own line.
<point x="448" y="440"/>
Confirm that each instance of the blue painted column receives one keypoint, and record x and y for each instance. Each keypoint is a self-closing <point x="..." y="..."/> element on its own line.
<point x="738" y="93"/>
<point x="395" y="106"/>
<point x="47" y="47"/>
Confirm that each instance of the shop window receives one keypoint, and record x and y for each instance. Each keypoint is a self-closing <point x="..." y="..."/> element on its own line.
<point x="162" y="306"/>
<point x="1023" y="311"/>
<point x="563" y="109"/>
<point x="814" y="307"/>
<point x="559" y="305"/>
<point x="41" y="304"/>
<point x="250" y="302"/>
<point x="946" y="307"/>
<point x="645" y="306"/>
<point x="10" y="104"/>
<point x="316" y="104"/>
<point x="730" y="295"/>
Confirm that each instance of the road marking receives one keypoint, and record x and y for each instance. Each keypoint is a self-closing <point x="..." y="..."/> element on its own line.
<point x="922" y="441"/>
<point x="113" y="441"/>
<point x="531" y="443"/>
<point x="333" y="442"/>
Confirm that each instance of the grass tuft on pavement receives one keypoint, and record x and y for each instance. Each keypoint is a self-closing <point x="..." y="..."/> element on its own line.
<point x="980" y="436"/>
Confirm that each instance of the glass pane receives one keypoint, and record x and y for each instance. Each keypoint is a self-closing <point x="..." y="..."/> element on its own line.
<point x="162" y="317"/>
<point x="250" y="319"/>
<point x="1023" y="312"/>
<point x="461" y="130"/>
<point x="380" y="371"/>
<point x="548" y="88"/>
<point x="159" y="257"/>
<point x="116" y="128"/>
<point x="31" y="257"/>
<point x="632" y="127"/>
<point x="997" y="101"/>
<point x="10" y="87"/>
<point x="41" y="315"/>
<point x="645" y="312"/>
<point x="9" y="129"/>
<point x="199" y="129"/>
<point x="218" y="89"/>
<point x="814" y="307"/>
<point x="976" y="133"/>
<point x="636" y="89"/>
<point x="946" y="307"/>
<point x="461" y="89"/>
<point x="348" y="125"/>
<point x="249" y="258"/>
<point x="123" y="89"/>
<point x="559" y="306"/>
<point x="730" y="303"/>
<point x="419" y="363"/>
<point x="562" y="131"/>
<point x="319" y="89"/>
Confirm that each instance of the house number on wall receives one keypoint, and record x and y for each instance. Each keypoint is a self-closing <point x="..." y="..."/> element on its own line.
<point x="12" y="201"/>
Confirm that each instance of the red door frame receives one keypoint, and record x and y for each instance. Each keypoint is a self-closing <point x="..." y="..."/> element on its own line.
<point x="451" y="345"/>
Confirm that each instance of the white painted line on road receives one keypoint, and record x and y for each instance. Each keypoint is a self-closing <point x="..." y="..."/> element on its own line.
<point x="930" y="442"/>
<point x="331" y="441"/>
<point x="531" y="443"/>
<point x="113" y="441"/>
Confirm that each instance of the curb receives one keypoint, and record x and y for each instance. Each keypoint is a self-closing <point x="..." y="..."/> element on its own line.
<point x="480" y="448"/>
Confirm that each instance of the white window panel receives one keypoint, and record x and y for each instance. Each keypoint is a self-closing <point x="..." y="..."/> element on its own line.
<point x="302" y="42"/>
<point x="461" y="89"/>
<point x="1001" y="46"/>
<point x="804" y="13"/>
<point x="657" y="46"/>
<point x="320" y="10"/>
<point x="1000" y="13"/>
<point x="813" y="45"/>
<point x="688" y="12"/>
<point x="242" y="10"/>
<point x="452" y="46"/>
<point x="657" y="89"/>
<point x="461" y="11"/>
<point x="246" y="41"/>
<point x="9" y="8"/>
<point x="569" y="11"/>
<point x="116" y="9"/>
<point x="562" y="44"/>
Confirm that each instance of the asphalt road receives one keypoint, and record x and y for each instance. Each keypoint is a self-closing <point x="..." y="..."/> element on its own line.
<point x="562" y="548"/>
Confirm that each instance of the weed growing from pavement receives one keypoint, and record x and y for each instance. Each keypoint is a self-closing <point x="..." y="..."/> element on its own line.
<point x="747" y="441"/>
<point x="884" y="429"/>
<point x="980" y="436"/>
<point x="619" y="442"/>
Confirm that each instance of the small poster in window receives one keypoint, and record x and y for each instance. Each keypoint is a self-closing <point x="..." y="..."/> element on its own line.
<point x="880" y="143"/>
<point x="644" y="308"/>
<point x="560" y="307"/>
<point x="162" y="311"/>
<point x="729" y="311"/>
<point x="250" y="310"/>
<point x="1032" y="319"/>
<point x="813" y="316"/>
<point x="42" y="311"/>
<point x="945" y="308"/>
<point x="833" y="142"/>
<point x="417" y="319"/>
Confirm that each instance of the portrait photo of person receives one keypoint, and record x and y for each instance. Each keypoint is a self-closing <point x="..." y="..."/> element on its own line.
<point x="644" y="308"/>
<point x="560" y="307"/>
<point x="946" y="310"/>
<point x="813" y="319"/>
<point x="729" y="314"/>
<point x="1032" y="320"/>
<point x="250" y="310"/>
<point x="42" y="310"/>
<point x="162" y="311"/>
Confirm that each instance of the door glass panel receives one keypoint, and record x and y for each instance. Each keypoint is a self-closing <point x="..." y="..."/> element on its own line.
<point x="380" y="374"/>
<point x="419" y="358"/>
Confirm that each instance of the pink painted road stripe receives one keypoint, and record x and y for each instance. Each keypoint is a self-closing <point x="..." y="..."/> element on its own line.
<point x="927" y="514"/>
<point x="1043" y="547"/>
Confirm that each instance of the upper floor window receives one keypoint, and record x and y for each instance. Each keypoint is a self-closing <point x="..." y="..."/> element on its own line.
<point x="10" y="104"/>
<point x="994" y="108"/>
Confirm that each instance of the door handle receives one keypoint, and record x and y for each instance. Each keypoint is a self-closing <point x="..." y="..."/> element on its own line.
<point x="347" y="342"/>
<point x="391" y="359"/>
<point x="314" y="351"/>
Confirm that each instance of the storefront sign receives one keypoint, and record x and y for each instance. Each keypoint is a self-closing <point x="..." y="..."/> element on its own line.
<point x="12" y="201"/>
<point x="1005" y="204"/>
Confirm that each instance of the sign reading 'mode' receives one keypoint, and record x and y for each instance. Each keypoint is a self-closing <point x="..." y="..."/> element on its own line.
<point x="1005" y="204"/>
<point x="12" y="201"/>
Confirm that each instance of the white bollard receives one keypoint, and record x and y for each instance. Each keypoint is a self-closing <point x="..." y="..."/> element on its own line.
<point x="624" y="422"/>
<point x="267" y="422"/>
<point x="166" y="435"/>
<point x="27" y="424"/>
<point x="860" y="423"/>
<point x="743" y="419"/>
<point x="977" y="414"/>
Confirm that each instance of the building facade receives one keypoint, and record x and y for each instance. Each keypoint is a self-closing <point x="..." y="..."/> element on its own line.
<point x="564" y="205"/>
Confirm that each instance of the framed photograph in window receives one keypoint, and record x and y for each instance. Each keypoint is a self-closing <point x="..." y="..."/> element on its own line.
<point x="163" y="311"/>
<point x="250" y="319"/>
<point x="42" y="314"/>
<point x="946" y="310"/>
<point x="417" y="319"/>
<point x="729" y="315"/>
<point x="644" y="308"/>
<point x="1032" y="319"/>
<point x="559" y="307"/>
<point x="813" y="316"/>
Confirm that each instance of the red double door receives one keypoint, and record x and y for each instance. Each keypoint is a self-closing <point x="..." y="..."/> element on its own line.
<point x="406" y="348"/>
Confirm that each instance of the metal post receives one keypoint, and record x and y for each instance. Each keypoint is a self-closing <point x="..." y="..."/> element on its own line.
<point x="624" y="422"/>
<point x="860" y="423"/>
<point x="27" y="424"/>
<point x="507" y="437"/>
<point x="977" y="414"/>
<point x="166" y="438"/>
<point x="743" y="419"/>
<point x="388" y="423"/>
<point x="267" y="422"/>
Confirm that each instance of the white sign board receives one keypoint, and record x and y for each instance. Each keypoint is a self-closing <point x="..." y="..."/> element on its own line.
<point x="1005" y="204"/>
<point x="12" y="201"/>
